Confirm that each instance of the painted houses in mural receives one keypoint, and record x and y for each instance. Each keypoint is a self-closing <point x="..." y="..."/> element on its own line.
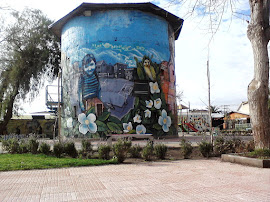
<point x="118" y="69"/>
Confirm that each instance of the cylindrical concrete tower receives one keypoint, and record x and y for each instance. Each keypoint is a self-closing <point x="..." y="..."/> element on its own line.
<point x="118" y="69"/>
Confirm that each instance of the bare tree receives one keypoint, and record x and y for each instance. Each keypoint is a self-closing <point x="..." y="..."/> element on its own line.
<point x="259" y="35"/>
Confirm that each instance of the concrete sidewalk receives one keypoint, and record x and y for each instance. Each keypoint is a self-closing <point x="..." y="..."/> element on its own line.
<point x="184" y="180"/>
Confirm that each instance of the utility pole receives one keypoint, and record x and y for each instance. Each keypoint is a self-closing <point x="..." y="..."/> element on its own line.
<point x="209" y="103"/>
<point x="225" y="107"/>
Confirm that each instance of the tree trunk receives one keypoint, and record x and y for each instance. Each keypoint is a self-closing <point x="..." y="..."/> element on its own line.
<point x="259" y="35"/>
<point x="9" y="110"/>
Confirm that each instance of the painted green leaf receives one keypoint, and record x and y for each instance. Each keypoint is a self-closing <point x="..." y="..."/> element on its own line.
<point x="161" y="133"/>
<point x="101" y="126"/>
<point x="143" y="107"/>
<point x="132" y="132"/>
<point x="136" y="59"/>
<point x="140" y="73"/>
<point x="137" y="101"/>
<point x="157" y="126"/>
<point x="113" y="127"/>
<point x="90" y="111"/>
<point x="104" y="116"/>
<point x="114" y="119"/>
<point x="142" y="102"/>
<point x="126" y="118"/>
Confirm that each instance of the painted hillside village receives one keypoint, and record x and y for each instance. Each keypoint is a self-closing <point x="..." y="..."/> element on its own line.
<point x="119" y="83"/>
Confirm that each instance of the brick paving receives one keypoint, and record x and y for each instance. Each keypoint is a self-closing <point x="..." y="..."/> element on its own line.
<point x="184" y="180"/>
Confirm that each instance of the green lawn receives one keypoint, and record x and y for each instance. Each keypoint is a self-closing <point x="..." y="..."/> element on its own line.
<point x="30" y="161"/>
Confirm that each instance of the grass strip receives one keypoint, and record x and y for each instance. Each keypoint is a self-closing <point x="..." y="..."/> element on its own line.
<point x="10" y="162"/>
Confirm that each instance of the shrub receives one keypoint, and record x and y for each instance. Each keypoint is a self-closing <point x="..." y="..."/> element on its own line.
<point x="135" y="151"/>
<point x="70" y="149"/>
<point x="186" y="148"/>
<point x="58" y="149"/>
<point x="147" y="151"/>
<point x="11" y="145"/>
<point x="44" y="148"/>
<point x="219" y="146"/>
<point x="86" y="146"/>
<point x="160" y="151"/>
<point x="33" y="146"/>
<point x="120" y="149"/>
<point x="250" y="146"/>
<point x="260" y="153"/>
<point x="23" y="147"/>
<point x="205" y="148"/>
<point x="104" y="151"/>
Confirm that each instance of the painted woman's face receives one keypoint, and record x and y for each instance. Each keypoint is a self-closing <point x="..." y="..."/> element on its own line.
<point x="90" y="67"/>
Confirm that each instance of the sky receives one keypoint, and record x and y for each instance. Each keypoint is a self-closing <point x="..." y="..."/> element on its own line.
<point x="229" y="53"/>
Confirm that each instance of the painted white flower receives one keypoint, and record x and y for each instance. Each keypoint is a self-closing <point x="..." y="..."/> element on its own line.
<point x="87" y="123"/>
<point x="70" y="122"/>
<point x="140" y="129"/>
<point x="137" y="119"/>
<point x="165" y="121"/>
<point x="147" y="113"/>
<point x="157" y="103"/>
<point x="127" y="127"/>
<point x="149" y="104"/>
<point x="154" y="87"/>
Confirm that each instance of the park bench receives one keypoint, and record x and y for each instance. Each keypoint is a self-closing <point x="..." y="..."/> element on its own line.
<point x="129" y="136"/>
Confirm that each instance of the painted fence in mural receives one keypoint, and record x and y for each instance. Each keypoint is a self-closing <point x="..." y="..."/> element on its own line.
<point x="118" y="74"/>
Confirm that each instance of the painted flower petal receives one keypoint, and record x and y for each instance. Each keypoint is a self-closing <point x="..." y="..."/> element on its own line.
<point x="164" y="113"/>
<point x="83" y="128"/>
<point x="91" y="117"/>
<point x="156" y="88"/>
<point x="147" y="113"/>
<point x="125" y="125"/>
<point x="82" y="118"/>
<point x="160" y="120"/>
<point x="157" y="103"/>
<point x="149" y="104"/>
<point x="92" y="127"/>
<point x="140" y="129"/>
<point x="151" y="87"/>
<point x="165" y="128"/>
<point x="137" y="119"/>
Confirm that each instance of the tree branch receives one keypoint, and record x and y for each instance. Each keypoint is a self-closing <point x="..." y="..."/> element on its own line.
<point x="267" y="33"/>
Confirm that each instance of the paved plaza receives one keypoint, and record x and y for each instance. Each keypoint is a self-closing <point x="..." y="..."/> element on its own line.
<point x="184" y="180"/>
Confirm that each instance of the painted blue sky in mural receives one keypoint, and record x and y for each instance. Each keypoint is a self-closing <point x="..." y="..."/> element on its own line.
<point x="134" y="26"/>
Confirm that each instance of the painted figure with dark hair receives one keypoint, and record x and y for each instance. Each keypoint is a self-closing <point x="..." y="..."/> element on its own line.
<point x="89" y="87"/>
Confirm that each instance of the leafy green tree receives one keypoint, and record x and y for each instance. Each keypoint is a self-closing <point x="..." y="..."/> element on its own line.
<point x="29" y="55"/>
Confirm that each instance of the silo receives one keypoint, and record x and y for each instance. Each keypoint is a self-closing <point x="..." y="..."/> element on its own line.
<point x="118" y="70"/>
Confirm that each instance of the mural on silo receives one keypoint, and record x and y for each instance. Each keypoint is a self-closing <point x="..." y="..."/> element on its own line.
<point x="122" y="82"/>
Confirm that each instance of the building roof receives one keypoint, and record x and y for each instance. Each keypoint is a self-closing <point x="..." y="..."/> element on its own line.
<point x="238" y="113"/>
<point x="175" y="21"/>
